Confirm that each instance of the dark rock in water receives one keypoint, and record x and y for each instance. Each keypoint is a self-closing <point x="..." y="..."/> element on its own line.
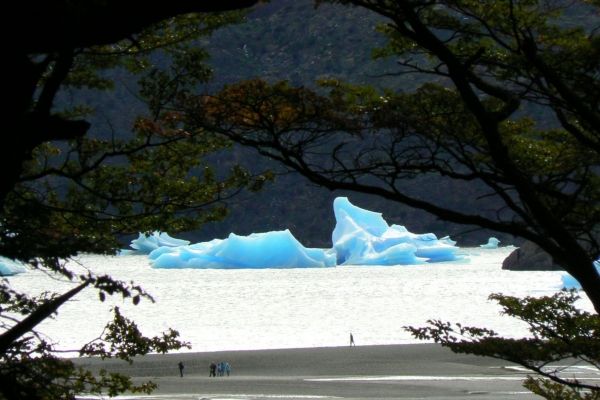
<point x="530" y="257"/>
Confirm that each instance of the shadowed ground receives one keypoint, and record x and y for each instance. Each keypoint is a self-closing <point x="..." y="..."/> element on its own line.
<point x="423" y="371"/>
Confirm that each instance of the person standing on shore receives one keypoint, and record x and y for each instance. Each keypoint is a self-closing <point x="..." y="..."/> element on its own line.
<point x="181" y="367"/>
<point x="227" y="368"/>
<point x="212" y="370"/>
<point x="352" y="340"/>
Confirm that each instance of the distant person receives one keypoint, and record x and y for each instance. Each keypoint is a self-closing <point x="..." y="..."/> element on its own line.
<point x="212" y="370"/>
<point x="218" y="369"/>
<point x="222" y="369"/>
<point x="181" y="367"/>
<point x="352" y="340"/>
<point x="227" y="368"/>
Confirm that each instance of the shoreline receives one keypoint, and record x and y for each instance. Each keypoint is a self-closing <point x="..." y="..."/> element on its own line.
<point x="408" y="371"/>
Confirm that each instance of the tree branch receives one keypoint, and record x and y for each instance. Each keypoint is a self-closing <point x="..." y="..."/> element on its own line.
<point x="37" y="316"/>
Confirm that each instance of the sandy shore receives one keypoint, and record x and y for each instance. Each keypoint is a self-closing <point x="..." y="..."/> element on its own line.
<point x="423" y="371"/>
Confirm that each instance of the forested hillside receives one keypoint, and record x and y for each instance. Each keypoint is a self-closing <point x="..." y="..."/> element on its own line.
<point x="290" y="40"/>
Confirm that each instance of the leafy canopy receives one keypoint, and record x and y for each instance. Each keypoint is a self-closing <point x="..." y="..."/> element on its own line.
<point x="561" y="335"/>
<point x="504" y="95"/>
<point x="65" y="193"/>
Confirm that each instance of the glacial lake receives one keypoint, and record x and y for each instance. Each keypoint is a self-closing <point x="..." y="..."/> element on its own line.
<point x="294" y="308"/>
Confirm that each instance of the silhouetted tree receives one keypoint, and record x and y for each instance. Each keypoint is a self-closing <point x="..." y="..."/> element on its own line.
<point x="484" y="66"/>
<point x="508" y="96"/>
<point x="63" y="193"/>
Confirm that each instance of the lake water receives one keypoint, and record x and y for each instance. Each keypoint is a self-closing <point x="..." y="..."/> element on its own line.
<point x="295" y="308"/>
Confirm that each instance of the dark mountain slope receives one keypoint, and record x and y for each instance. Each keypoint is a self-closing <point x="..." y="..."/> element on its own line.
<point x="289" y="39"/>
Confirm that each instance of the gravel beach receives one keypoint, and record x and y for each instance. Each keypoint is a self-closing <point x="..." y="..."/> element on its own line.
<point x="421" y="371"/>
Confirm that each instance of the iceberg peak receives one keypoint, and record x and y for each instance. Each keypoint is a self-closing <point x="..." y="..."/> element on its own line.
<point x="363" y="237"/>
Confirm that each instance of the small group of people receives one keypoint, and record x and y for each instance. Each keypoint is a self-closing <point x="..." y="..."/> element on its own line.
<point x="219" y="369"/>
<point x="215" y="369"/>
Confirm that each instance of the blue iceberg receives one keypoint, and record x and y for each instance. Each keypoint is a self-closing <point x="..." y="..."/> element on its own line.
<point x="278" y="249"/>
<point x="491" y="244"/>
<point x="145" y="245"/>
<point x="569" y="282"/>
<point x="360" y="237"/>
<point x="9" y="267"/>
<point x="363" y="237"/>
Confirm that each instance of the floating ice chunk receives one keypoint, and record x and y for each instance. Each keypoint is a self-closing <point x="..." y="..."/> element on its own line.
<point x="447" y="240"/>
<point x="491" y="244"/>
<point x="10" y="267"/>
<point x="360" y="237"/>
<point x="278" y="249"/>
<point x="351" y="219"/>
<point x="145" y="245"/>
<point x="569" y="282"/>
<point x="363" y="237"/>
